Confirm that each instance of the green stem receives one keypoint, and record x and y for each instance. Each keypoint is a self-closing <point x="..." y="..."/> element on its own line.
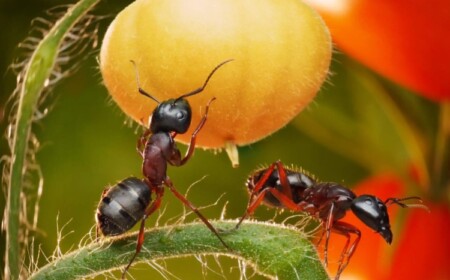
<point x="38" y="71"/>
<point x="411" y="139"/>
<point x="342" y="143"/>
<point x="274" y="250"/>
<point x="442" y="154"/>
<point x="355" y="132"/>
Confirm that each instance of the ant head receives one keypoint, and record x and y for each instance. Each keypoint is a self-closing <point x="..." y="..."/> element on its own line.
<point x="373" y="212"/>
<point x="171" y="115"/>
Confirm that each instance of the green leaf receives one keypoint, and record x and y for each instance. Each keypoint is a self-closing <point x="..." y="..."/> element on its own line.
<point x="274" y="250"/>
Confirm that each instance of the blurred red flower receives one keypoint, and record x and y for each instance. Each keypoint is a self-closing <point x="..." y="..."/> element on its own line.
<point x="406" y="41"/>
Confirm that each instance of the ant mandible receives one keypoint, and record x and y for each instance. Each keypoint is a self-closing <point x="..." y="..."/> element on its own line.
<point x="124" y="204"/>
<point x="281" y="187"/>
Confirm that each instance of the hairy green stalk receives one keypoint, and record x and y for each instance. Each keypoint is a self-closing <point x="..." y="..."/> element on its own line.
<point x="275" y="251"/>
<point x="37" y="73"/>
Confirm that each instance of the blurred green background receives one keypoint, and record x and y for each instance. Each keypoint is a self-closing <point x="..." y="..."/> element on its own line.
<point x="87" y="144"/>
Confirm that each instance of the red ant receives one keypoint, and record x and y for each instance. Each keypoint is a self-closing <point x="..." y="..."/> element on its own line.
<point x="123" y="205"/>
<point x="281" y="187"/>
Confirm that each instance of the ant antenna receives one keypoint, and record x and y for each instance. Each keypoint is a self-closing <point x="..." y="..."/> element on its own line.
<point x="399" y="201"/>
<point x="141" y="90"/>
<point x="200" y="89"/>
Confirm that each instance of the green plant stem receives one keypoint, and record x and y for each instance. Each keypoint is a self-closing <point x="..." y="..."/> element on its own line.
<point x="339" y="130"/>
<point x="441" y="161"/>
<point x="411" y="139"/>
<point x="38" y="71"/>
<point x="274" y="250"/>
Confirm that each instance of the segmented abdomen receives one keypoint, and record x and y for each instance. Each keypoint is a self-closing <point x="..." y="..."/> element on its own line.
<point x="122" y="206"/>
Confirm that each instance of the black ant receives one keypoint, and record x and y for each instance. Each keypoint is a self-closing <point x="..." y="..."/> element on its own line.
<point x="123" y="205"/>
<point x="281" y="187"/>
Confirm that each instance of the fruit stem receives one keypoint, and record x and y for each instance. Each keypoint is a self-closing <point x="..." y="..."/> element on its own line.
<point x="233" y="153"/>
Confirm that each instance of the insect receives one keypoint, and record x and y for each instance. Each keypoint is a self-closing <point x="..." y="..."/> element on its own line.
<point x="281" y="187"/>
<point x="130" y="201"/>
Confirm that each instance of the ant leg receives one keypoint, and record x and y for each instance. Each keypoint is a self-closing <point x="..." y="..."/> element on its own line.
<point x="252" y="203"/>
<point x="140" y="240"/>
<point x="263" y="178"/>
<point x="345" y="229"/>
<point x="328" y="225"/>
<point x="321" y="236"/>
<point x="157" y="202"/>
<point x="284" y="180"/>
<point x="187" y="203"/>
<point x="287" y="202"/>
<point x="190" y="150"/>
<point x="252" y="207"/>
<point x="260" y="184"/>
<point x="200" y="89"/>
<point x="140" y="146"/>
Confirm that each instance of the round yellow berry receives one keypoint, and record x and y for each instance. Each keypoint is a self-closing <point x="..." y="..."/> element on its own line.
<point x="281" y="52"/>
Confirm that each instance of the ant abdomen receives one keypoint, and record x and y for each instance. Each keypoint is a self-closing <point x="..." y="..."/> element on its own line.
<point x="298" y="180"/>
<point x="122" y="206"/>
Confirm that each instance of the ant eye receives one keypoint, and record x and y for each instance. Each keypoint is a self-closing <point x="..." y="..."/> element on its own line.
<point x="180" y="115"/>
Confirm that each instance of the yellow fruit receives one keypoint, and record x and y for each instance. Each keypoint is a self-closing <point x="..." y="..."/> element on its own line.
<point x="281" y="52"/>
